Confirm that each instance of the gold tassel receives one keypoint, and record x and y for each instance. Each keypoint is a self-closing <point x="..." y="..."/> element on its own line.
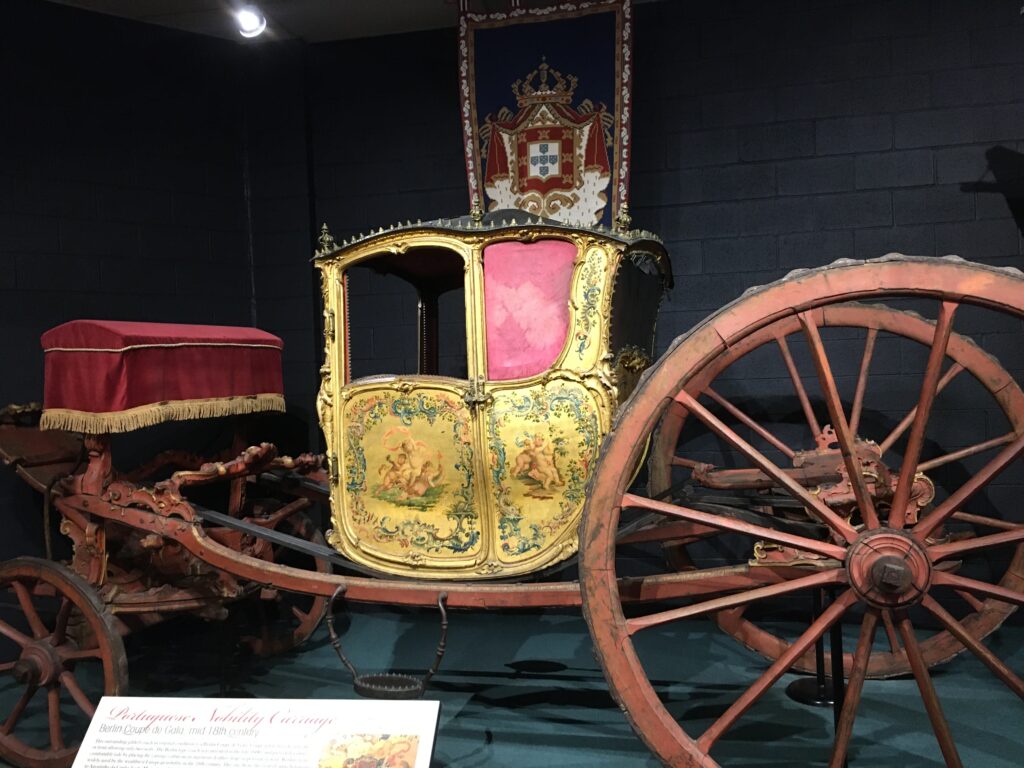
<point x="156" y="413"/>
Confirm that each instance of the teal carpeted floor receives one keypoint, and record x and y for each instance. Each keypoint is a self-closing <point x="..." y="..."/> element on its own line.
<point x="523" y="689"/>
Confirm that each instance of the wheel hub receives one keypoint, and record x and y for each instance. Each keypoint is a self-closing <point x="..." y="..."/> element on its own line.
<point x="888" y="568"/>
<point x="39" y="664"/>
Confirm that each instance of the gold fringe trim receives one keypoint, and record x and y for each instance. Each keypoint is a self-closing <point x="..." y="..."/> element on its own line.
<point x="156" y="413"/>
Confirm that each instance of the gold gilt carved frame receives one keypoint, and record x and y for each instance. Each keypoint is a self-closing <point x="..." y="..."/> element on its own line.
<point x="437" y="477"/>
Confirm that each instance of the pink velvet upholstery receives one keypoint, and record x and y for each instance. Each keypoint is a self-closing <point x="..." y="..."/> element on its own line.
<point x="526" y="294"/>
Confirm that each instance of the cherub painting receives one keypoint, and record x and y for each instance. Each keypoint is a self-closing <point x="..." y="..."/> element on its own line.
<point x="536" y="462"/>
<point x="411" y="473"/>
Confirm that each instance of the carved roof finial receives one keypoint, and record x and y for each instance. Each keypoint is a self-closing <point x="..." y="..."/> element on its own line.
<point x="326" y="241"/>
<point x="623" y="220"/>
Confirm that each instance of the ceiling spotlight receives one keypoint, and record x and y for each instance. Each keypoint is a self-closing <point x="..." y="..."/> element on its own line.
<point x="251" y="22"/>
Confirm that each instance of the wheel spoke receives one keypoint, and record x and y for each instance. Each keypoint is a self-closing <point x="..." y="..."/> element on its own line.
<point x="815" y="507"/>
<point x="12" y="634"/>
<point x="892" y="437"/>
<point x="954" y="548"/>
<point x="724" y="523"/>
<point x="890" y="632"/>
<point x="827" y="618"/>
<point x="928" y="695"/>
<point x="814" y="580"/>
<point x="53" y="707"/>
<point x="985" y="656"/>
<point x="39" y="630"/>
<point x="81" y="654"/>
<point x="741" y="416"/>
<point x="963" y="453"/>
<point x="19" y="708"/>
<point x="986" y="522"/>
<point x="843" y="432"/>
<point x="60" y="626"/>
<point x="798" y="385"/>
<point x="299" y="614"/>
<point x="69" y="682"/>
<point x="978" y="587"/>
<point x="854" y="687"/>
<point x="678" y="531"/>
<point x="862" y="379"/>
<point x="971" y="600"/>
<point x="929" y="389"/>
<point x="966" y="491"/>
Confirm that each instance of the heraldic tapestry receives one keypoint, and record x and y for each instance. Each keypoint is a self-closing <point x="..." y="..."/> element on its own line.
<point x="545" y="96"/>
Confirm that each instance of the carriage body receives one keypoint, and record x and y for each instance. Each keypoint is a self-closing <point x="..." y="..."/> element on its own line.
<point x="483" y="474"/>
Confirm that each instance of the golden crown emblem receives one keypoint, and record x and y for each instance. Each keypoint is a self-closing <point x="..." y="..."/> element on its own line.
<point x="560" y="91"/>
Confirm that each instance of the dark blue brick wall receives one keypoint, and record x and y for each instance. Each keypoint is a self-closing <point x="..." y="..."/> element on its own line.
<point x="120" y="191"/>
<point x="285" y="289"/>
<point x="120" y="188"/>
<point x="783" y="135"/>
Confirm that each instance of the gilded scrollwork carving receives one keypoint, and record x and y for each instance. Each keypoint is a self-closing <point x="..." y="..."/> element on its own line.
<point x="630" y="363"/>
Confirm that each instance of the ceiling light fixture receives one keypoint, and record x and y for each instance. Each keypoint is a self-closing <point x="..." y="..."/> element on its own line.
<point x="251" y="22"/>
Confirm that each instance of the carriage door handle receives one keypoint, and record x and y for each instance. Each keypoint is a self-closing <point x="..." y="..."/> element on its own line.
<point x="475" y="396"/>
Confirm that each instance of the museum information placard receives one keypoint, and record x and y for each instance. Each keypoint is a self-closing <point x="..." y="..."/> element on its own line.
<point x="142" y="732"/>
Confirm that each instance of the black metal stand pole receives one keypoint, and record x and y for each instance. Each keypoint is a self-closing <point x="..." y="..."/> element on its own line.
<point x="814" y="691"/>
<point x="838" y="672"/>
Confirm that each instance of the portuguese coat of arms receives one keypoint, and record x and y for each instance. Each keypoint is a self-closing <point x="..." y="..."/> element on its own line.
<point x="548" y="158"/>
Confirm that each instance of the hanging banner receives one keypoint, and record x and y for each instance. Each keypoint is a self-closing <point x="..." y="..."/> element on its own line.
<point x="546" y="104"/>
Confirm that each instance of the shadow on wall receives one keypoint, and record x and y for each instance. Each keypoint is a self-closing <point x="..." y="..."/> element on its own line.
<point x="1007" y="168"/>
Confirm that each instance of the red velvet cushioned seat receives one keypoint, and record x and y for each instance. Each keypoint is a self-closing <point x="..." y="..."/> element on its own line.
<point x="113" y="376"/>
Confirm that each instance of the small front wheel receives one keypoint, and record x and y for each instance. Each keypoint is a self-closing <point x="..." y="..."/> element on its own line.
<point x="60" y="654"/>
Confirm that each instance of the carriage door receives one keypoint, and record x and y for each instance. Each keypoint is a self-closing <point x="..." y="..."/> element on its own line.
<point x="541" y="423"/>
<point x="407" y="449"/>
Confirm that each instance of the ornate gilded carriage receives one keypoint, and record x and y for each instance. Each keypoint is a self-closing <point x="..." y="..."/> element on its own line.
<point x="484" y="474"/>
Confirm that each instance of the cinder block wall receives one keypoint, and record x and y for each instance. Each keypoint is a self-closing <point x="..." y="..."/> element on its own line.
<point x="770" y="136"/>
<point x="121" y="179"/>
<point x="120" y="192"/>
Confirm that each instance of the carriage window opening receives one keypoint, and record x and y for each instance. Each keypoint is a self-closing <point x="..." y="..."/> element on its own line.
<point x="407" y="314"/>
<point x="451" y="349"/>
<point x="526" y="293"/>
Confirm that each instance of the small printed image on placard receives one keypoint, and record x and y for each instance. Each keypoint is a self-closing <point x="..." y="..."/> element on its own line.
<point x="368" y="750"/>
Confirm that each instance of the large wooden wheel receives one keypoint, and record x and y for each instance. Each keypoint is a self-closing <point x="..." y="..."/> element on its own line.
<point x="878" y="331"/>
<point x="61" y="653"/>
<point x="888" y="570"/>
<point x="277" y="621"/>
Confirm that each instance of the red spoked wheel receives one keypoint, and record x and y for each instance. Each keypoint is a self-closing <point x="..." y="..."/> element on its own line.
<point x="61" y="654"/>
<point x="878" y="333"/>
<point x="845" y="521"/>
<point x="277" y="622"/>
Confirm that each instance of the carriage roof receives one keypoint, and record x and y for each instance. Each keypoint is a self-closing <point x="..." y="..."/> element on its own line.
<point x="497" y="225"/>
